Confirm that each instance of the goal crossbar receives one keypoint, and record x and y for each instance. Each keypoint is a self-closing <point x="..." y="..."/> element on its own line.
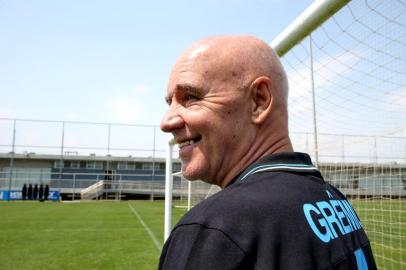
<point x="317" y="13"/>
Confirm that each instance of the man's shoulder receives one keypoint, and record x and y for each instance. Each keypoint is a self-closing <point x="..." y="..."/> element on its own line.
<point x="221" y="209"/>
<point x="264" y="193"/>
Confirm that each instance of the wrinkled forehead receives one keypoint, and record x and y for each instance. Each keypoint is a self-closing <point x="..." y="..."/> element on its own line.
<point x="188" y="72"/>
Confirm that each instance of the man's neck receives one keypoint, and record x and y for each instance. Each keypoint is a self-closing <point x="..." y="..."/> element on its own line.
<point x="258" y="150"/>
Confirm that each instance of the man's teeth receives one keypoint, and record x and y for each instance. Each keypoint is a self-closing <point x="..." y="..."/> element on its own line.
<point x="186" y="143"/>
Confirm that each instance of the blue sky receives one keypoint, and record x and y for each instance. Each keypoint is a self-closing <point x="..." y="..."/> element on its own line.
<point x="108" y="61"/>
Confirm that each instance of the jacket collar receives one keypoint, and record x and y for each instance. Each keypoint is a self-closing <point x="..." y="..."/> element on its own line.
<point x="289" y="161"/>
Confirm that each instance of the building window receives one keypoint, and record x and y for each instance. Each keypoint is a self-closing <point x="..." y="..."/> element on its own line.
<point x="176" y="167"/>
<point x="354" y="183"/>
<point x="58" y="164"/>
<point x="131" y="166"/>
<point x="27" y="176"/>
<point x="157" y="166"/>
<point x="147" y="166"/>
<point x="66" y="164"/>
<point x="94" y="165"/>
<point x="75" y="164"/>
<point x="122" y="165"/>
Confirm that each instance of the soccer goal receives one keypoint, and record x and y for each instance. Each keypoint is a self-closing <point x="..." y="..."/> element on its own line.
<point x="347" y="108"/>
<point x="346" y="65"/>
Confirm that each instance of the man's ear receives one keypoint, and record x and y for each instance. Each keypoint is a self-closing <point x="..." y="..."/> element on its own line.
<point x="261" y="96"/>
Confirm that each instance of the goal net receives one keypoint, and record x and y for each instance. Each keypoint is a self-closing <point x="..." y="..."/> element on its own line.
<point x="193" y="192"/>
<point x="186" y="194"/>
<point x="347" y="109"/>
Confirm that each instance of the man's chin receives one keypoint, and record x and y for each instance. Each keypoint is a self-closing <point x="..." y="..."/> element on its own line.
<point x="190" y="177"/>
<point x="191" y="174"/>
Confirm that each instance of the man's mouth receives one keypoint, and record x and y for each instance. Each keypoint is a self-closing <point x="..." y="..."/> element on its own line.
<point x="189" y="142"/>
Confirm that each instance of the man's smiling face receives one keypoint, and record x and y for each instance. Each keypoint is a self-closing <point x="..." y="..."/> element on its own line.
<point x="208" y="115"/>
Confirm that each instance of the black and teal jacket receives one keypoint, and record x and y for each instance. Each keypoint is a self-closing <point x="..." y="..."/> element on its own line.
<point x="278" y="213"/>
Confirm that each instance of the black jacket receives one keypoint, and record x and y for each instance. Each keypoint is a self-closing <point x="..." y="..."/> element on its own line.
<point x="278" y="214"/>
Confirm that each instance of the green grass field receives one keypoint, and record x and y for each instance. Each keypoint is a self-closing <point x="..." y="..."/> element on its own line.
<point x="111" y="235"/>
<point x="385" y="224"/>
<point x="85" y="235"/>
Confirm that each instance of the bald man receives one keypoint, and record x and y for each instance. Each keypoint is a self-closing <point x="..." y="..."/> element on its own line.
<point x="227" y="100"/>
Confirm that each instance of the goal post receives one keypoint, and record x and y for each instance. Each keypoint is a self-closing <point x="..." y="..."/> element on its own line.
<point x="168" y="189"/>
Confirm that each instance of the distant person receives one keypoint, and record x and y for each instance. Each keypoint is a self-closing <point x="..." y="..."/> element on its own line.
<point x="24" y="192"/>
<point x="35" y="192"/>
<point x="46" y="192"/>
<point x="29" y="194"/>
<point x="41" y="193"/>
<point x="228" y="113"/>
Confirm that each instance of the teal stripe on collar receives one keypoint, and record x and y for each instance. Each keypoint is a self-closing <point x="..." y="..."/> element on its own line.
<point x="293" y="167"/>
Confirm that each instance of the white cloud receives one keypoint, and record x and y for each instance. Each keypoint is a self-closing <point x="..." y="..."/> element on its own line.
<point x="325" y="70"/>
<point x="398" y="98"/>
<point x="142" y="88"/>
<point x="125" y="109"/>
<point x="72" y="116"/>
<point x="7" y="113"/>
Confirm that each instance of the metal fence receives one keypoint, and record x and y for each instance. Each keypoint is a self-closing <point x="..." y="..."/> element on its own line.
<point x="66" y="138"/>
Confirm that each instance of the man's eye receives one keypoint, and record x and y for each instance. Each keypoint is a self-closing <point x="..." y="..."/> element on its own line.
<point x="190" y="97"/>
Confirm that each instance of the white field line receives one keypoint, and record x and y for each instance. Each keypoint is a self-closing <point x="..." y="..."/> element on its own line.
<point x="150" y="233"/>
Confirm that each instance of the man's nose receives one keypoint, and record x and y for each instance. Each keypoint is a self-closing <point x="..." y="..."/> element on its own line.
<point x="172" y="120"/>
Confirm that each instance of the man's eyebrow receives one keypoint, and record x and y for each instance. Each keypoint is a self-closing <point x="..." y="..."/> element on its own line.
<point x="185" y="87"/>
<point x="182" y="88"/>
